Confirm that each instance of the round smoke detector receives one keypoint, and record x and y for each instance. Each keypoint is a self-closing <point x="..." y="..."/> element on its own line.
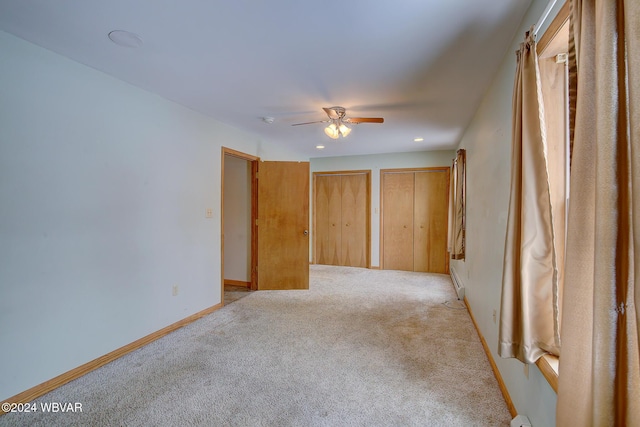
<point x="125" y="38"/>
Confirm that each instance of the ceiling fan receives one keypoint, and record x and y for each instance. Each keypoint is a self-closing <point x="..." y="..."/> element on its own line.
<point x="338" y="122"/>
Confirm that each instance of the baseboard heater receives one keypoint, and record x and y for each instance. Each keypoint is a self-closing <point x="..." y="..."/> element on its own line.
<point x="457" y="283"/>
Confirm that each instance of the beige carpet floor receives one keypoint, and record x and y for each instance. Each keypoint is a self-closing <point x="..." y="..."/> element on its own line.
<point x="360" y="348"/>
<point x="233" y="293"/>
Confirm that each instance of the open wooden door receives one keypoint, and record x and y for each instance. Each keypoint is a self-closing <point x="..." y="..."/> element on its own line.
<point x="283" y="225"/>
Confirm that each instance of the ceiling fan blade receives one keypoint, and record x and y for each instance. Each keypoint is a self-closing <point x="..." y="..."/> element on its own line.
<point x="309" y="123"/>
<point x="356" y="120"/>
<point x="333" y="114"/>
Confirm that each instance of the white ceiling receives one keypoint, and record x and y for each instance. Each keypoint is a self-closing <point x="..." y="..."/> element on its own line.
<point x="423" y="65"/>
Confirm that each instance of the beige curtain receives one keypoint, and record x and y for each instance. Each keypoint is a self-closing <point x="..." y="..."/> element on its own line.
<point x="457" y="206"/>
<point x="452" y="199"/>
<point x="599" y="382"/>
<point x="528" y="311"/>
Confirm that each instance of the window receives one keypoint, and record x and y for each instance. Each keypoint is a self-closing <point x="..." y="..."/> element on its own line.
<point x="554" y="80"/>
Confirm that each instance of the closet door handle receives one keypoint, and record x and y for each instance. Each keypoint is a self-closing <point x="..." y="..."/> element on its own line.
<point x="305" y="232"/>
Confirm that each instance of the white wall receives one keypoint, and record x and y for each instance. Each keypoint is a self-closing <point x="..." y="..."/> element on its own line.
<point x="375" y="162"/>
<point x="103" y="192"/>
<point x="237" y="219"/>
<point x="488" y="144"/>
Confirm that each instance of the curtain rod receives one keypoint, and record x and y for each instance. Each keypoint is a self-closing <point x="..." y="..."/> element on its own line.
<point x="545" y="15"/>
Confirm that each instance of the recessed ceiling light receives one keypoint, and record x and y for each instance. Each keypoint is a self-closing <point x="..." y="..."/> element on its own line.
<point x="418" y="139"/>
<point x="125" y="38"/>
<point x="320" y="147"/>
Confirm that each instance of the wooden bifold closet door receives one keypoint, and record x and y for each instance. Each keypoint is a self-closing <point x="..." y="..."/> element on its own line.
<point x="341" y="218"/>
<point x="414" y="221"/>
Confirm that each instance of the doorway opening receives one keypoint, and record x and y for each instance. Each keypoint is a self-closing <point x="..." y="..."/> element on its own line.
<point x="238" y="217"/>
<point x="276" y="205"/>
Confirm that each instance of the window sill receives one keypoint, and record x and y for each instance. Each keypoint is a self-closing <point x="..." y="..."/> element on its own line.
<point x="548" y="365"/>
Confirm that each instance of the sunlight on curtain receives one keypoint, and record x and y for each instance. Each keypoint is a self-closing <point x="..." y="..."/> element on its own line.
<point x="457" y="206"/>
<point x="599" y="383"/>
<point x="528" y="310"/>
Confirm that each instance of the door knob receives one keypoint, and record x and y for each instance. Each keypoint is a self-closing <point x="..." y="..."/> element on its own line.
<point x="305" y="232"/>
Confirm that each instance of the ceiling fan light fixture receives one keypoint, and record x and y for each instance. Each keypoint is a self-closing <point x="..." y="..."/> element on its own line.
<point x="332" y="131"/>
<point x="338" y="122"/>
<point x="344" y="130"/>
